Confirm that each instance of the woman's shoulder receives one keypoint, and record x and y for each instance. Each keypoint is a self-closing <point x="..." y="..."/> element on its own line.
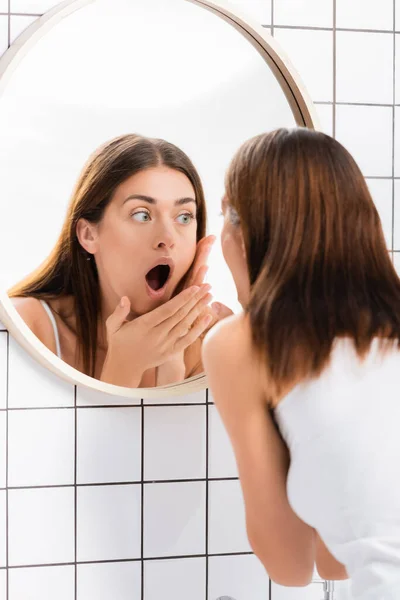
<point x="229" y="341"/>
<point x="35" y="316"/>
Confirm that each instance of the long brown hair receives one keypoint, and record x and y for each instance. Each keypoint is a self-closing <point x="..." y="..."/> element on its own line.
<point x="68" y="270"/>
<point x="316" y="255"/>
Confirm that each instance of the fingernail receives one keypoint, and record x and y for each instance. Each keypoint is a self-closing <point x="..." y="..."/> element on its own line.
<point x="195" y="289"/>
<point x="122" y="302"/>
<point x="216" y="306"/>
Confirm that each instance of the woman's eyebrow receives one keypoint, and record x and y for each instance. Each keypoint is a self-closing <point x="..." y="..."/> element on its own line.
<point x="151" y="200"/>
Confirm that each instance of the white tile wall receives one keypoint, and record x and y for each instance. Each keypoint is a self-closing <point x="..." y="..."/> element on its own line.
<point x="240" y="577"/>
<point x="4" y="6"/>
<point x="37" y="7"/>
<point x="108" y="445"/>
<point x="40" y="526"/>
<point x="174" y="519"/>
<point x="366" y="131"/>
<point x="167" y="430"/>
<point x="47" y="455"/>
<point x="177" y="579"/>
<point x="108" y="522"/>
<point x="46" y="583"/>
<point x="363" y="14"/>
<point x="118" y="580"/>
<point x="99" y="445"/>
<point x="364" y="67"/>
<point x="304" y="13"/>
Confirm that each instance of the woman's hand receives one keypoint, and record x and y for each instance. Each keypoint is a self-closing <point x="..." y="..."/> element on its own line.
<point x="152" y="339"/>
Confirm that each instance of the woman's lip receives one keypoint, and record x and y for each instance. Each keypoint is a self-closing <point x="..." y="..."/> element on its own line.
<point x="156" y="293"/>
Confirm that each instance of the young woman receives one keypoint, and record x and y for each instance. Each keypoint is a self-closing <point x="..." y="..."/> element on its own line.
<point x="306" y="379"/>
<point x="112" y="299"/>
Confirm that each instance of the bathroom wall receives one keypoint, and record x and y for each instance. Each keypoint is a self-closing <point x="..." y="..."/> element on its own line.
<point x="89" y="487"/>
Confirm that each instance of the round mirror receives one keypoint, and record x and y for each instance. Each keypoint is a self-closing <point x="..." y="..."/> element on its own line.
<point x="118" y="126"/>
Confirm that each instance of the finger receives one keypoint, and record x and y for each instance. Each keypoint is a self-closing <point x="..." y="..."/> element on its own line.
<point x="221" y="310"/>
<point x="201" y="273"/>
<point x="203" y="250"/>
<point x="194" y="333"/>
<point x="183" y="326"/>
<point x="175" y="309"/>
<point x="118" y="317"/>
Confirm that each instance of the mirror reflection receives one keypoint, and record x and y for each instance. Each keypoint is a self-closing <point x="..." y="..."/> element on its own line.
<point x="117" y="130"/>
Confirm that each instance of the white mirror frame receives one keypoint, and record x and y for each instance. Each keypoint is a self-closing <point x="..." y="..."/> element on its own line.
<point x="303" y="112"/>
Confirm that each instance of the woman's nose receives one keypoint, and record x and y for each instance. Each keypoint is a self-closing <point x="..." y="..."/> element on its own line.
<point x="164" y="239"/>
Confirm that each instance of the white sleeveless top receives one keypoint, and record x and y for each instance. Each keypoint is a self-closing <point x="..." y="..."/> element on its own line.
<point x="54" y="324"/>
<point x="343" y="433"/>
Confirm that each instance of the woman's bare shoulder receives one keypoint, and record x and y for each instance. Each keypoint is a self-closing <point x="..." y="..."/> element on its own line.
<point x="35" y="316"/>
<point x="229" y="339"/>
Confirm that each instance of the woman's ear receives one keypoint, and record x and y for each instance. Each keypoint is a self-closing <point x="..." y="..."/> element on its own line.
<point x="86" y="233"/>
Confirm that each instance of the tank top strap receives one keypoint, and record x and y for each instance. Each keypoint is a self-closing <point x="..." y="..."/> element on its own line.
<point x="54" y="325"/>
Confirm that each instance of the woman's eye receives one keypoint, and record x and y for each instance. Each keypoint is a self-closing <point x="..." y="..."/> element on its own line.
<point x="142" y="216"/>
<point x="186" y="218"/>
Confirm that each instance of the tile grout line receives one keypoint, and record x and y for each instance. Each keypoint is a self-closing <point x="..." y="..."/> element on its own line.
<point x="142" y="503"/>
<point x="75" y="495"/>
<point x="334" y="70"/>
<point x="207" y="496"/>
<point x="393" y="121"/>
<point x="7" y="461"/>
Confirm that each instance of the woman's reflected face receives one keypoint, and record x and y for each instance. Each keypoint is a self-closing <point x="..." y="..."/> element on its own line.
<point x="234" y="252"/>
<point x="146" y="240"/>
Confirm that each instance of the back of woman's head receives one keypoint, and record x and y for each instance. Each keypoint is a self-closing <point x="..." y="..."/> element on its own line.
<point x="316" y="254"/>
<point x="69" y="269"/>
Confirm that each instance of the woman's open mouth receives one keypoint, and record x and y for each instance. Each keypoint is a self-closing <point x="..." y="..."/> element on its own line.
<point x="156" y="280"/>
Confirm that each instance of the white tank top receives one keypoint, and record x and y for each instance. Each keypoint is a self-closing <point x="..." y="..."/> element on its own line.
<point x="343" y="433"/>
<point x="54" y="324"/>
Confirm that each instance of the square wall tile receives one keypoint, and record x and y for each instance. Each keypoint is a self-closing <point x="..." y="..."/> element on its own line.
<point x="3" y="528"/>
<point x="109" y="445"/>
<point x="88" y="397"/>
<point x="396" y="241"/>
<point x="31" y="385"/>
<point x="239" y="577"/>
<point x="4" y="6"/>
<point x="3" y="448"/>
<point x="364" y="14"/>
<point x="41" y="526"/>
<point x="18" y="24"/>
<point x="304" y="13"/>
<point x="366" y="132"/>
<point x="3" y="584"/>
<point x="105" y="581"/>
<point x="226" y="525"/>
<point x="382" y="194"/>
<point x="174" y="442"/>
<point x="364" y="67"/>
<point x="258" y="10"/>
<point x="222" y="461"/>
<point x="397" y="65"/>
<point x="179" y="579"/>
<point x="33" y="6"/>
<point x="46" y="583"/>
<point x="41" y="447"/>
<point x="312" y="55"/>
<point x="108" y="522"/>
<point x="174" y="519"/>
<point x="3" y="368"/>
<point x="314" y="591"/>
<point x="3" y="34"/>
<point x="397" y="141"/>
<point x="396" y="262"/>
<point x="397" y="17"/>
<point x="193" y="398"/>
<point x="325" y="115"/>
